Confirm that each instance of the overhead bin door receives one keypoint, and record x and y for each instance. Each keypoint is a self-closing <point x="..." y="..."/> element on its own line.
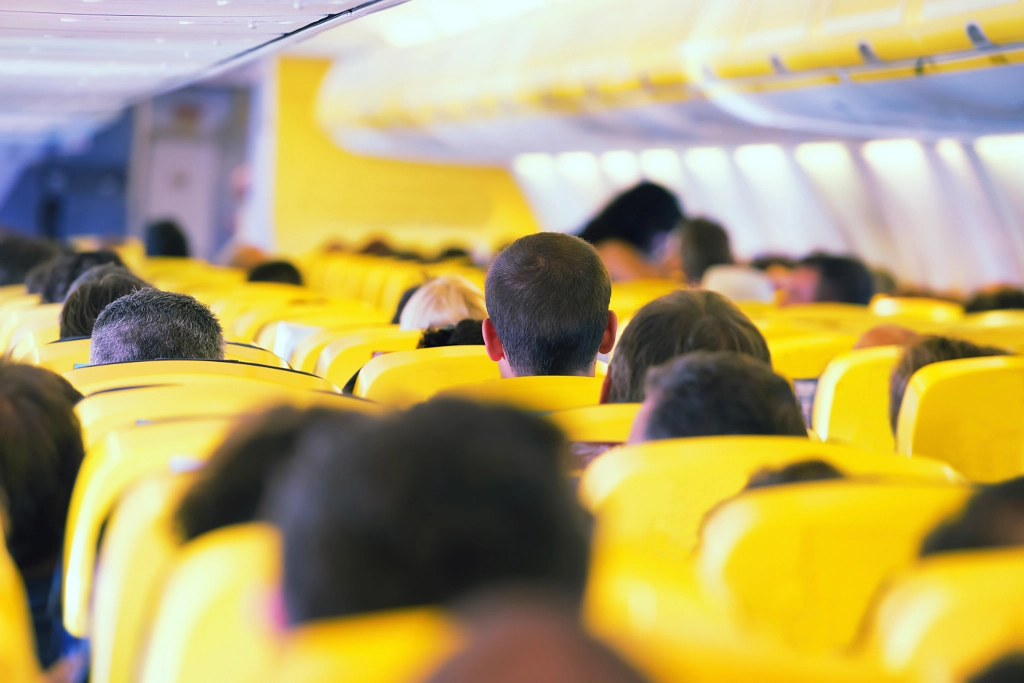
<point x="954" y="25"/>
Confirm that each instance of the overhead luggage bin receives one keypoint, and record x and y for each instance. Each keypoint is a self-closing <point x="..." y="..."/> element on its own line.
<point x="955" y="25"/>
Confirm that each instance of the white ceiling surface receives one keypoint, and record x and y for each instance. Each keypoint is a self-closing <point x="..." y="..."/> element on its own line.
<point x="66" y="65"/>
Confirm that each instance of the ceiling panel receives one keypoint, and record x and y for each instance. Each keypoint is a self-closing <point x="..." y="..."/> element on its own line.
<point x="185" y="8"/>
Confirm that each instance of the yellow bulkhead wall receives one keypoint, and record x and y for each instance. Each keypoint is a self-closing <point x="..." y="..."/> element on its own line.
<point x="324" y="193"/>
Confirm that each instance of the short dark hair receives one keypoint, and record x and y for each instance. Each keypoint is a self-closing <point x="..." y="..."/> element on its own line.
<point x="425" y="507"/>
<point x="842" y="279"/>
<point x="547" y="295"/>
<point x="704" y="244"/>
<point x="231" y="487"/>
<point x="992" y="518"/>
<point x="19" y="255"/>
<point x="637" y="216"/>
<point x="674" y="325"/>
<point x="68" y="267"/>
<point x="40" y="452"/>
<point x="466" y="333"/>
<point x="1004" y="298"/>
<point x="86" y="301"/>
<point x="152" y="325"/>
<point x="1008" y="669"/>
<point x="925" y="352"/>
<point x="720" y="393"/>
<point x="276" y="271"/>
<point x="794" y="473"/>
<point x="166" y="238"/>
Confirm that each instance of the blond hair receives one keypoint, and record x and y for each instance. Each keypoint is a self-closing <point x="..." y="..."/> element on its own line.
<point x="443" y="301"/>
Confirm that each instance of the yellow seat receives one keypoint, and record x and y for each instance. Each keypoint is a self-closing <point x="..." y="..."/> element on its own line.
<point x="807" y="356"/>
<point x="34" y="338"/>
<point x="630" y="297"/>
<point x="967" y="413"/>
<point x="248" y="353"/>
<point x="538" y="394"/>
<point x="16" y="323"/>
<point x="949" y="617"/>
<point x="213" y="620"/>
<point x="801" y="563"/>
<point x="99" y="413"/>
<point x="342" y="358"/>
<point x="17" y="643"/>
<point x="63" y="356"/>
<point x="248" y="325"/>
<point x="404" y="378"/>
<point x="307" y="350"/>
<point x="664" y="488"/>
<point x="353" y="316"/>
<point x="123" y="457"/>
<point x="139" y="546"/>
<point x="8" y="292"/>
<point x="933" y="310"/>
<point x="388" y="647"/>
<point x="851" y="405"/>
<point x="93" y="378"/>
<point x="608" y="423"/>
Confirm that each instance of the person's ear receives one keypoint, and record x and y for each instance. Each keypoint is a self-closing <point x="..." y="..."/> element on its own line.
<point x="495" y="351"/>
<point x="608" y="340"/>
<point x="606" y="387"/>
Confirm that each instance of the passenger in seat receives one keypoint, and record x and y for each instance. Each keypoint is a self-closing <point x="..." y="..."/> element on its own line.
<point x="153" y="325"/>
<point x="826" y="278"/>
<point x="925" y="352"/>
<point x="100" y="286"/>
<point x="466" y="333"/>
<point x="674" y="325"/>
<point x="998" y="299"/>
<point x="276" y="271"/>
<point x="441" y="302"/>
<point x="166" y="238"/>
<point x="705" y="244"/>
<point x="716" y="394"/>
<point x="68" y="268"/>
<point x="19" y="255"/>
<point x="993" y="518"/>
<point x="547" y="298"/>
<point x="40" y="453"/>
<point x="426" y="507"/>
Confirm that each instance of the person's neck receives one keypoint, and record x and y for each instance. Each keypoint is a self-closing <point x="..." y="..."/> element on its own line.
<point x="507" y="372"/>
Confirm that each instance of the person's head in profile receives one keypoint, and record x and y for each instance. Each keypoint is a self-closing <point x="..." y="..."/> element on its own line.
<point x="154" y="325"/>
<point x="801" y="472"/>
<point x="996" y="299"/>
<point x="674" y="325"/>
<point x="547" y="298"/>
<point x="426" y="507"/>
<point x="66" y="269"/>
<point x="96" y="289"/>
<point x="19" y="255"/>
<point x="823" y="278"/>
<point x="704" y="244"/>
<point x="993" y="518"/>
<point x="719" y="393"/>
<point x="283" y="272"/>
<point x="922" y="354"/>
<point x="166" y="238"/>
<point x="441" y="302"/>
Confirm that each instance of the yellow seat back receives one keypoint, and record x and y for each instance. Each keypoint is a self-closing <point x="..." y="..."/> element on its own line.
<point x="33" y="339"/>
<point x="388" y="647"/>
<point x="806" y="356"/>
<point x="355" y="316"/>
<point x="538" y="394"/>
<point x="663" y="489"/>
<point x="630" y="297"/>
<point x="99" y="413"/>
<point x="139" y="546"/>
<point x="967" y="413"/>
<point x="247" y="353"/>
<point x="17" y="640"/>
<point x="307" y="350"/>
<point x="95" y="378"/>
<point x="8" y="292"/>
<point x="802" y="562"/>
<point x="608" y="423"/>
<point x="122" y="458"/>
<point x="213" y="622"/>
<point x="342" y="358"/>
<point x="851" y="405"/>
<point x="16" y="323"/>
<point x="932" y="310"/>
<point x="60" y="356"/>
<point x="404" y="378"/>
<point x="950" y="617"/>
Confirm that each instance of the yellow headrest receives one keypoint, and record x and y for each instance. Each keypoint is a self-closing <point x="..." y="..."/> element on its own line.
<point x="407" y="377"/>
<point x="967" y="413"/>
<point x="806" y="356"/>
<point x="17" y="645"/>
<point x="16" y="321"/>
<point x="343" y="357"/>
<point x="934" y="310"/>
<point x="63" y="356"/>
<point x="801" y="562"/>
<point x="607" y="423"/>
<point x="539" y="394"/>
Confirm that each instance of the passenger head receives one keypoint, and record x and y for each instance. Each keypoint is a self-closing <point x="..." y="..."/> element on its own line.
<point x="466" y="333"/>
<point x="69" y="267"/>
<point x="19" y="255"/>
<point x="638" y="217"/>
<point x="151" y="325"/>
<point x="402" y="303"/>
<point x="826" y="278"/>
<point x="40" y="451"/>
<point x="999" y="299"/>
<point x="923" y="353"/>
<point x="674" y="325"/>
<point x="166" y="238"/>
<point x="230" y="488"/>
<point x="704" y="244"/>
<point x="441" y="302"/>
<point x="547" y="298"/>
<point x="993" y="518"/>
<point x="794" y="473"/>
<point x="716" y="394"/>
<point x="1009" y="669"/>
<point x="426" y="507"/>
<point x="87" y="301"/>
<point x="276" y="271"/>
